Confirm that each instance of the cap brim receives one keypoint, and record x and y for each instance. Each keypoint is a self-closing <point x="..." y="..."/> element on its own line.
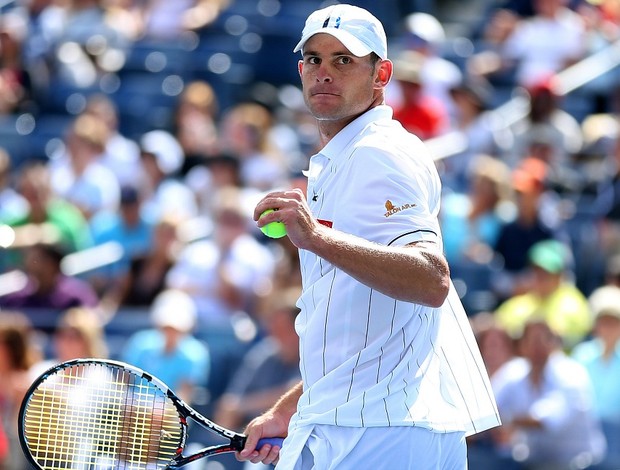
<point x="351" y="42"/>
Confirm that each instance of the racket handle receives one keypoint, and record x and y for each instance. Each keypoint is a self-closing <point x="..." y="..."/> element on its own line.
<point x="272" y="441"/>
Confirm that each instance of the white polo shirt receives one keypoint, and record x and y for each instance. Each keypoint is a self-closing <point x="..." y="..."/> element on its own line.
<point x="367" y="359"/>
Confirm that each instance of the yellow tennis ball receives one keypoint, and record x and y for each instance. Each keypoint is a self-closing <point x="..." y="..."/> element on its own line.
<point x="273" y="229"/>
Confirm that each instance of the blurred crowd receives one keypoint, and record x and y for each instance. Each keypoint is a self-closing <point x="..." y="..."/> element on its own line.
<point x="136" y="137"/>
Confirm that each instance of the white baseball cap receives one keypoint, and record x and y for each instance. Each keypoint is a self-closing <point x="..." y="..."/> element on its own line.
<point x="174" y="308"/>
<point x="356" y="28"/>
<point x="605" y="300"/>
<point x="166" y="149"/>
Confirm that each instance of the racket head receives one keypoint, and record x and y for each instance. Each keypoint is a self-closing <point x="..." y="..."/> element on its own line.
<point x="89" y="413"/>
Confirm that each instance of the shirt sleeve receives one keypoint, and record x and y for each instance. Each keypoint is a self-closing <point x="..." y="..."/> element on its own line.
<point x="389" y="198"/>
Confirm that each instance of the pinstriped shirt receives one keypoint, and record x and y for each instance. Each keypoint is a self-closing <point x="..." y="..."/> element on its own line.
<point x="368" y="359"/>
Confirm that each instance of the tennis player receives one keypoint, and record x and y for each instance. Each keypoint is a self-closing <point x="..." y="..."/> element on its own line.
<point x="391" y="375"/>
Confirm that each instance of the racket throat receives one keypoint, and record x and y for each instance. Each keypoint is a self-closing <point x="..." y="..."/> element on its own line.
<point x="238" y="442"/>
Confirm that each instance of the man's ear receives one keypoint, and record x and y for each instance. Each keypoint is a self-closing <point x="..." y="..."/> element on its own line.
<point x="300" y="67"/>
<point x="384" y="74"/>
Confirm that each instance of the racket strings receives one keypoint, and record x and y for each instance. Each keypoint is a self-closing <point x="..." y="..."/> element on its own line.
<point x="93" y="416"/>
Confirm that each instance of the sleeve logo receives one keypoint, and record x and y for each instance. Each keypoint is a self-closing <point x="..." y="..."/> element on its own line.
<point x="392" y="209"/>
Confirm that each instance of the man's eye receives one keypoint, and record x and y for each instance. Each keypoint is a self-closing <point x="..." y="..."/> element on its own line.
<point x="314" y="60"/>
<point x="344" y="60"/>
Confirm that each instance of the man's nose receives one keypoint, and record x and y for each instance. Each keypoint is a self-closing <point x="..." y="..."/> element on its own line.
<point x="323" y="74"/>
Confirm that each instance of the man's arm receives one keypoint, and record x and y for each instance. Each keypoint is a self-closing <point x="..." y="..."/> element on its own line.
<point x="416" y="273"/>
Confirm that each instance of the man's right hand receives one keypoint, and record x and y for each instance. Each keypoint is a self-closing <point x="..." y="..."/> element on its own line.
<point x="272" y="423"/>
<point x="266" y="425"/>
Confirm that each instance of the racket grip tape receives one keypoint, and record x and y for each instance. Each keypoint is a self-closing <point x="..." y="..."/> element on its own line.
<point x="272" y="441"/>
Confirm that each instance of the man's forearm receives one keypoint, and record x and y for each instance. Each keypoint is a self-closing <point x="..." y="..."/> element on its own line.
<point x="286" y="405"/>
<point x="415" y="273"/>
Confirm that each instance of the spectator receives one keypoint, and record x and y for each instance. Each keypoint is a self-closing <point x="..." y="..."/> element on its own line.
<point x="210" y="175"/>
<point x="551" y="296"/>
<point x="129" y="228"/>
<point x="534" y="47"/>
<point x="601" y="358"/>
<point x="78" y="333"/>
<point x="425" y="35"/>
<point x="121" y="154"/>
<point x="169" y="351"/>
<point x="195" y="122"/>
<point x="15" y="85"/>
<point x="486" y="451"/>
<point x="496" y="345"/>
<point x="48" y="217"/>
<point x="203" y="13"/>
<point x="78" y="175"/>
<point x="229" y="272"/>
<point x="268" y="369"/>
<point x="500" y="19"/>
<point x="126" y="16"/>
<point x="546" y="402"/>
<point x="245" y="132"/>
<point x="43" y="24"/>
<point x="146" y="276"/>
<point x="472" y="221"/>
<point x="547" y="132"/>
<point x="536" y="220"/>
<point x="419" y="112"/>
<point x="602" y="30"/>
<point x="17" y="355"/>
<point x="165" y="21"/>
<point x="607" y="202"/>
<point x="12" y="204"/>
<point x="47" y="287"/>
<point x="78" y="27"/>
<point x="472" y="122"/>
<point x="164" y="193"/>
<point x="503" y="16"/>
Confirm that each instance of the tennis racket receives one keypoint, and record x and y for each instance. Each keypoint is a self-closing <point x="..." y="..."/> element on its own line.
<point x="92" y="414"/>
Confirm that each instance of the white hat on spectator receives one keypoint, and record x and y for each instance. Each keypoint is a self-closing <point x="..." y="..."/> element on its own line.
<point x="605" y="301"/>
<point x="166" y="149"/>
<point x="426" y="27"/>
<point x="175" y="309"/>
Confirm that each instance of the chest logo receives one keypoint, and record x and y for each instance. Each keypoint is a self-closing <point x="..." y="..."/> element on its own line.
<point x="392" y="209"/>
